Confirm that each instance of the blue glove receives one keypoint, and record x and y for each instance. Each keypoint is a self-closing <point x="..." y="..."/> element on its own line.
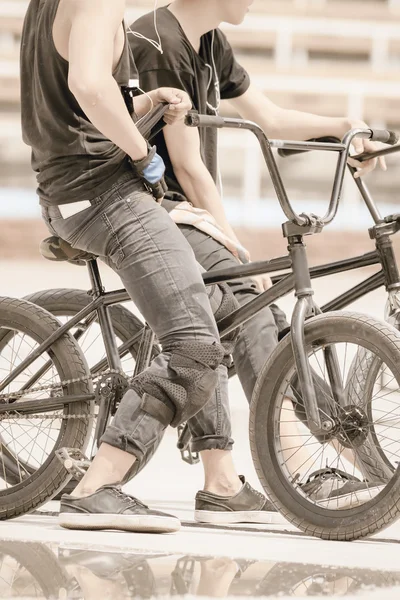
<point x="154" y="172"/>
<point x="151" y="170"/>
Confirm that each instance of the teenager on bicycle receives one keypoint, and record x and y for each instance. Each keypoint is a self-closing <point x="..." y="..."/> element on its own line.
<point x="196" y="57"/>
<point x="97" y="184"/>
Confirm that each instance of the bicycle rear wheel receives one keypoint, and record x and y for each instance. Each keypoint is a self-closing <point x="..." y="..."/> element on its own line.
<point x="305" y="476"/>
<point x="30" y="474"/>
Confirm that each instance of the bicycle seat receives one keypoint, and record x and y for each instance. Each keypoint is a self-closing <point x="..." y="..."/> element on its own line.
<point x="54" y="248"/>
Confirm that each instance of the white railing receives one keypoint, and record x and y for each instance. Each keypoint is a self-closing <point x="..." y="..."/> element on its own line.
<point x="286" y="27"/>
<point x="356" y="91"/>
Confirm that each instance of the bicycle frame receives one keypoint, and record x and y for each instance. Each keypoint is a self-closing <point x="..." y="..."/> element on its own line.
<point x="299" y="280"/>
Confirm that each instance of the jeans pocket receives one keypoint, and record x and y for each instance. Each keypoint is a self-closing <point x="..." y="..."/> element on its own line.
<point x="115" y="250"/>
<point x="48" y="221"/>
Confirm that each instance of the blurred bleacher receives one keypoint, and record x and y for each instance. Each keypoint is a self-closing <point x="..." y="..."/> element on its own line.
<point x="334" y="57"/>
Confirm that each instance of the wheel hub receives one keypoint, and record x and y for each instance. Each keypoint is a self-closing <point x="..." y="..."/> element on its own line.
<point x="353" y="426"/>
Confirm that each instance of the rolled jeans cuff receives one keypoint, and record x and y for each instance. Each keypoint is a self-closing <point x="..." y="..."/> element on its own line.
<point x="120" y="439"/>
<point x="211" y="442"/>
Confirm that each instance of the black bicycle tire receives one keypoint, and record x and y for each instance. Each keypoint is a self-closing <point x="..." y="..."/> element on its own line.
<point x="45" y="482"/>
<point x="376" y="465"/>
<point x="383" y="510"/>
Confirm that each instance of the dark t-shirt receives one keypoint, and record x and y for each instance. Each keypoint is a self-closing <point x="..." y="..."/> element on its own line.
<point x="180" y="66"/>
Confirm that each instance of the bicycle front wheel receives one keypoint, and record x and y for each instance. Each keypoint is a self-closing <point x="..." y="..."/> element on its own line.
<point x="319" y="484"/>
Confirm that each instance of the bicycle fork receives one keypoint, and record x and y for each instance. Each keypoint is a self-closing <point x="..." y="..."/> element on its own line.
<point x="304" y="309"/>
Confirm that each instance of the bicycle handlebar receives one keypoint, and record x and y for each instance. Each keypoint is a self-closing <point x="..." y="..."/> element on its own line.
<point x="286" y="152"/>
<point x="194" y="119"/>
<point x="377" y="135"/>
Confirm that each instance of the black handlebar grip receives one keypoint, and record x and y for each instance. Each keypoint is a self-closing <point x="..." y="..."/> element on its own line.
<point x="194" y="119"/>
<point x="285" y="152"/>
<point x="326" y="140"/>
<point x="385" y="136"/>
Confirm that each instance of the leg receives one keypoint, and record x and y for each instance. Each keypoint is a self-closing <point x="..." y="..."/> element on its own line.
<point x="259" y="336"/>
<point x="144" y="247"/>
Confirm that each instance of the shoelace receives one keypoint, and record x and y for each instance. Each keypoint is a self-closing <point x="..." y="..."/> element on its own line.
<point x="126" y="498"/>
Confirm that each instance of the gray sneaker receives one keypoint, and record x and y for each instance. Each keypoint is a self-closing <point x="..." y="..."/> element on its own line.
<point x="336" y="490"/>
<point x="247" y="506"/>
<point x="111" y="508"/>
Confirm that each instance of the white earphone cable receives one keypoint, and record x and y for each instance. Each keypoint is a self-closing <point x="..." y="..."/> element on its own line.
<point x="151" y="105"/>
<point x="157" y="45"/>
<point x="215" y="109"/>
<point x="214" y="75"/>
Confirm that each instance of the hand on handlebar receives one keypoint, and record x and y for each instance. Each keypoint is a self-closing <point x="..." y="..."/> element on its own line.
<point x="179" y="104"/>
<point x="362" y="145"/>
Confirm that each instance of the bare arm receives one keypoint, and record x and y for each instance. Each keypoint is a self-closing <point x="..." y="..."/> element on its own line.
<point x="93" y="31"/>
<point x="281" y="123"/>
<point x="286" y="124"/>
<point x="183" y="145"/>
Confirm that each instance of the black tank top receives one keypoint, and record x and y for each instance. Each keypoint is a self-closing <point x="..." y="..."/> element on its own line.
<point x="72" y="159"/>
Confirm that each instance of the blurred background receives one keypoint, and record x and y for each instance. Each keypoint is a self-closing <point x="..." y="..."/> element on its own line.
<point x="332" y="57"/>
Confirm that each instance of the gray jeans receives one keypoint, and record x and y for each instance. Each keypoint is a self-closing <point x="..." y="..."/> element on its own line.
<point x="127" y="229"/>
<point x="259" y="336"/>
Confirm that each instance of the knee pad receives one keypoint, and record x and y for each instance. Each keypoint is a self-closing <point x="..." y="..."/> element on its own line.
<point x="189" y="383"/>
<point x="227" y="304"/>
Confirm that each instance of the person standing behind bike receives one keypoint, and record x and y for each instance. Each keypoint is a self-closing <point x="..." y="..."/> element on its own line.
<point x="196" y="57"/>
<point x="94" y="173"/>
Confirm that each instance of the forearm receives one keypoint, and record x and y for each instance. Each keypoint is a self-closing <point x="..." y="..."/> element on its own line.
<point x="280" y="123"/>
<point x="296" y="125"/>
<point x="200" y="189"/>
<point x="143" y="104"/>
<point x="104" y="106"/>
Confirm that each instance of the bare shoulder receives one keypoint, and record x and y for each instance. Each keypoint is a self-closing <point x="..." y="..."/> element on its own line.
<point x="86" y="21"/>
<point x="101" y="10"/>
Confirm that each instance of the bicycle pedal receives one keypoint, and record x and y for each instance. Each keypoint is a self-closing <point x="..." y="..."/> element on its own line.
<point x="192" y="458"/>
<point x="74" y="461"/>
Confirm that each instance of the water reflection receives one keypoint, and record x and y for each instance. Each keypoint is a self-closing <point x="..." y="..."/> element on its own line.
<point x="33" y="570"/>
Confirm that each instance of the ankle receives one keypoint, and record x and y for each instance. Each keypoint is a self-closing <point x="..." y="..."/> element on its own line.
<point x="223" y="486"/>
<point x="83" y="491"/>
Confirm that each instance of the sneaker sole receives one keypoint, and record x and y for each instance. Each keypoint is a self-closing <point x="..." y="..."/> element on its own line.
<point x="350" y="500"/>
<point x="230" y="517"/>
<point x="138" y="524"/>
